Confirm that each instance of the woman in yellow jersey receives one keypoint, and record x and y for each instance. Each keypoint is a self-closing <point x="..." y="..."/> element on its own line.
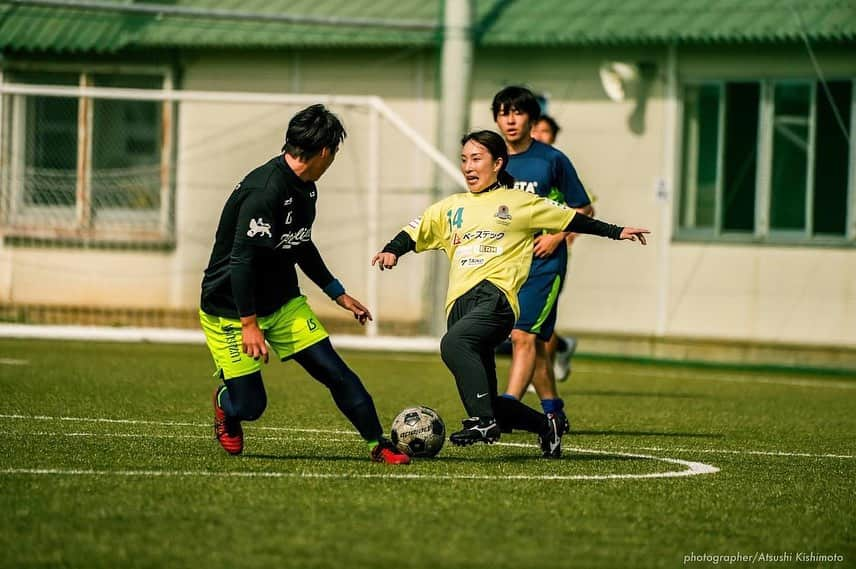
<point x="487" y="234"/>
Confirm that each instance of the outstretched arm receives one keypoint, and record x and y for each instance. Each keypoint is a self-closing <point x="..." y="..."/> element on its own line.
<point x="585" y="224"/>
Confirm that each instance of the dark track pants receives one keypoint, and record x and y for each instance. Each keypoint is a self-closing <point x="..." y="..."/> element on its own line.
<point x="479" y="321"/>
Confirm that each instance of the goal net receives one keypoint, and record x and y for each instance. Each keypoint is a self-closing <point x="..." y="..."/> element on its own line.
<point x="110" y="194"/>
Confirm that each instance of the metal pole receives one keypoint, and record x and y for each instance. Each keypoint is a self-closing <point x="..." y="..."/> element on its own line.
<point x="373" y="216"/>
<point x="455" y="75"/>
<point x="6" y="196"/>
<point x="666" y="189"/>
<point x="83" y="189"/>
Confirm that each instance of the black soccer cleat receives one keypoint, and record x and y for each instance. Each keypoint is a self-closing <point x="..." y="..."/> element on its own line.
<point x="551" y="439"/>
<point x="476" y="430"/>
<point x="563" y="421"/>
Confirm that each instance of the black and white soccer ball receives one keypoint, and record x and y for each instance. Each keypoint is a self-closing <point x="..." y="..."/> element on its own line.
<point x="419" y="431"/>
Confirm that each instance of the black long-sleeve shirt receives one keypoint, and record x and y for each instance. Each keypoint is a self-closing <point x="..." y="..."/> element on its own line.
<point x="264" y="230"/>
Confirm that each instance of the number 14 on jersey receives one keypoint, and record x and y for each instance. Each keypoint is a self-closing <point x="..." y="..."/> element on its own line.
<point x="456" y="220"/>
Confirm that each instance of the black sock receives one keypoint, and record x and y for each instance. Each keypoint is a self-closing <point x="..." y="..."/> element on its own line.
<point x="512" y="414"/>
<point x="364" y="418"/>
<point x="324" y="364"/>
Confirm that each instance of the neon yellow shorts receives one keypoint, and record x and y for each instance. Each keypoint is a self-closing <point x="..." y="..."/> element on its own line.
<point x="290" y="329"/>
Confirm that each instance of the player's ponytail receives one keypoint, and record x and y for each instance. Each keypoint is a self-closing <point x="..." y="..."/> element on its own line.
<point x="505" y="178"/>
<point x="498" y="150"/>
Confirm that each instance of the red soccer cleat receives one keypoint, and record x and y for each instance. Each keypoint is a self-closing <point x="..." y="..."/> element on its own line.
<point x="228" y="432"/>
<point x="388" y="453"/>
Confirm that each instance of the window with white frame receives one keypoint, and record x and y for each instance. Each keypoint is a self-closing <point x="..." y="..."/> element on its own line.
<point x="92" y="168"/>
<point x="768" y="161"/>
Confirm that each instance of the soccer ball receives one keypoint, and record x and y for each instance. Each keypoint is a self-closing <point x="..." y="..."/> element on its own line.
<point x="419" y="431"/>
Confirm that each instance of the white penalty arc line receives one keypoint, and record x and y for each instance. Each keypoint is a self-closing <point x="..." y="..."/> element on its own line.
<point x="356" y="435"/>
<point x="693" y="469"/>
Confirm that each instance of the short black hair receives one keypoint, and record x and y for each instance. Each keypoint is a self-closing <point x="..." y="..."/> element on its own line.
<point x="311" y="130"/>
<point x="497" y="148"/>
<point x="551" y="122"/>
<point x="519" y="98"/>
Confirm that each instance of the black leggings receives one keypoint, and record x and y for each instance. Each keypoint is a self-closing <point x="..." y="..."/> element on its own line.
<point x="478" y="322"/>
<point x="247" y="398"/>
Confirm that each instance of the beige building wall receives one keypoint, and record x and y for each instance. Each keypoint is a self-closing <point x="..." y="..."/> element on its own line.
<point x="756" y="293"/>
<point x="764" y="293"/>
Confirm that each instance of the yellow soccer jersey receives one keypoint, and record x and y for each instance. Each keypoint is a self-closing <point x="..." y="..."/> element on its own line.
<point x="487" y="236"/>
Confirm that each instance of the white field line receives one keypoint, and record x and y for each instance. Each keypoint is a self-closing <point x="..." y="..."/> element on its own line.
<point x="166" y="423"/>
<point x="83" y="434"/>
<point x="13" y="362"/>
<point x="355" y="435"/>
<point x="353" y="439"/>
<point x="421" y="347"/>
<point x="749" y="452"/>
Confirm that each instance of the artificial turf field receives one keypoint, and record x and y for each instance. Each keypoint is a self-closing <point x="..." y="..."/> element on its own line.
<point x="108" y="461"/>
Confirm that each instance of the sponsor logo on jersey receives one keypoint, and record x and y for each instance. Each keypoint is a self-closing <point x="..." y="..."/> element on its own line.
<point x="483" y="234"/>
<point x="288" y="201"/>
<point x="237" y="186"/>
<point x="312" y="194"/>
<point x="456" y="239"/>
<point x="258" y="227"/>
<point x="480" y="250"/>
<point x="294" y="238"/>
<point x="471" y="262"/>
<point x="502" y="215"/>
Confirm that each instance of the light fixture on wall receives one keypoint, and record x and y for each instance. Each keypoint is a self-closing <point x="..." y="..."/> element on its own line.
<point x="616" y="77"/>
<point x="623" y="81"/>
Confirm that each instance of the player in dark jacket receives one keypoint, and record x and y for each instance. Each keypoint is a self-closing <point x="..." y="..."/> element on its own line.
<point x="250" y="298"/>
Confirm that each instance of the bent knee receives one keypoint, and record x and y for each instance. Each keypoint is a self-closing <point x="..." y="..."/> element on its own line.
<point x="449" y="344"/>
<point x="522" y="338"/>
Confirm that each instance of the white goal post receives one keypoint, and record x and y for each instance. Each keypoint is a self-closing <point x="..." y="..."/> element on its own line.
<point x="377" y="113"/>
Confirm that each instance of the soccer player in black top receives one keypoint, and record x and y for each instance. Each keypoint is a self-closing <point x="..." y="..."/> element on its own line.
<point x="250" y="297"/>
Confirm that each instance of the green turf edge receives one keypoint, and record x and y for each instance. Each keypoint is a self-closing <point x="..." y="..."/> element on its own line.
<point x="848" y="373"/>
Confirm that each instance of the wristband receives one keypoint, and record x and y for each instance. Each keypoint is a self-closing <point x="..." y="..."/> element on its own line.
<point x="334" y="290"/>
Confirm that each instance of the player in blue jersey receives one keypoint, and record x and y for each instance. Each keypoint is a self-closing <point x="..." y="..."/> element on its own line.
<point x="560" y="349"/>
<point x="543" y="170"/>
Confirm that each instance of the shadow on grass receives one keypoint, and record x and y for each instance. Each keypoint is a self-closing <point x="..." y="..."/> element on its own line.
<point x="596" y="393"/>
<point x="647" y="434"/>
<point x="446" y="458"/>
